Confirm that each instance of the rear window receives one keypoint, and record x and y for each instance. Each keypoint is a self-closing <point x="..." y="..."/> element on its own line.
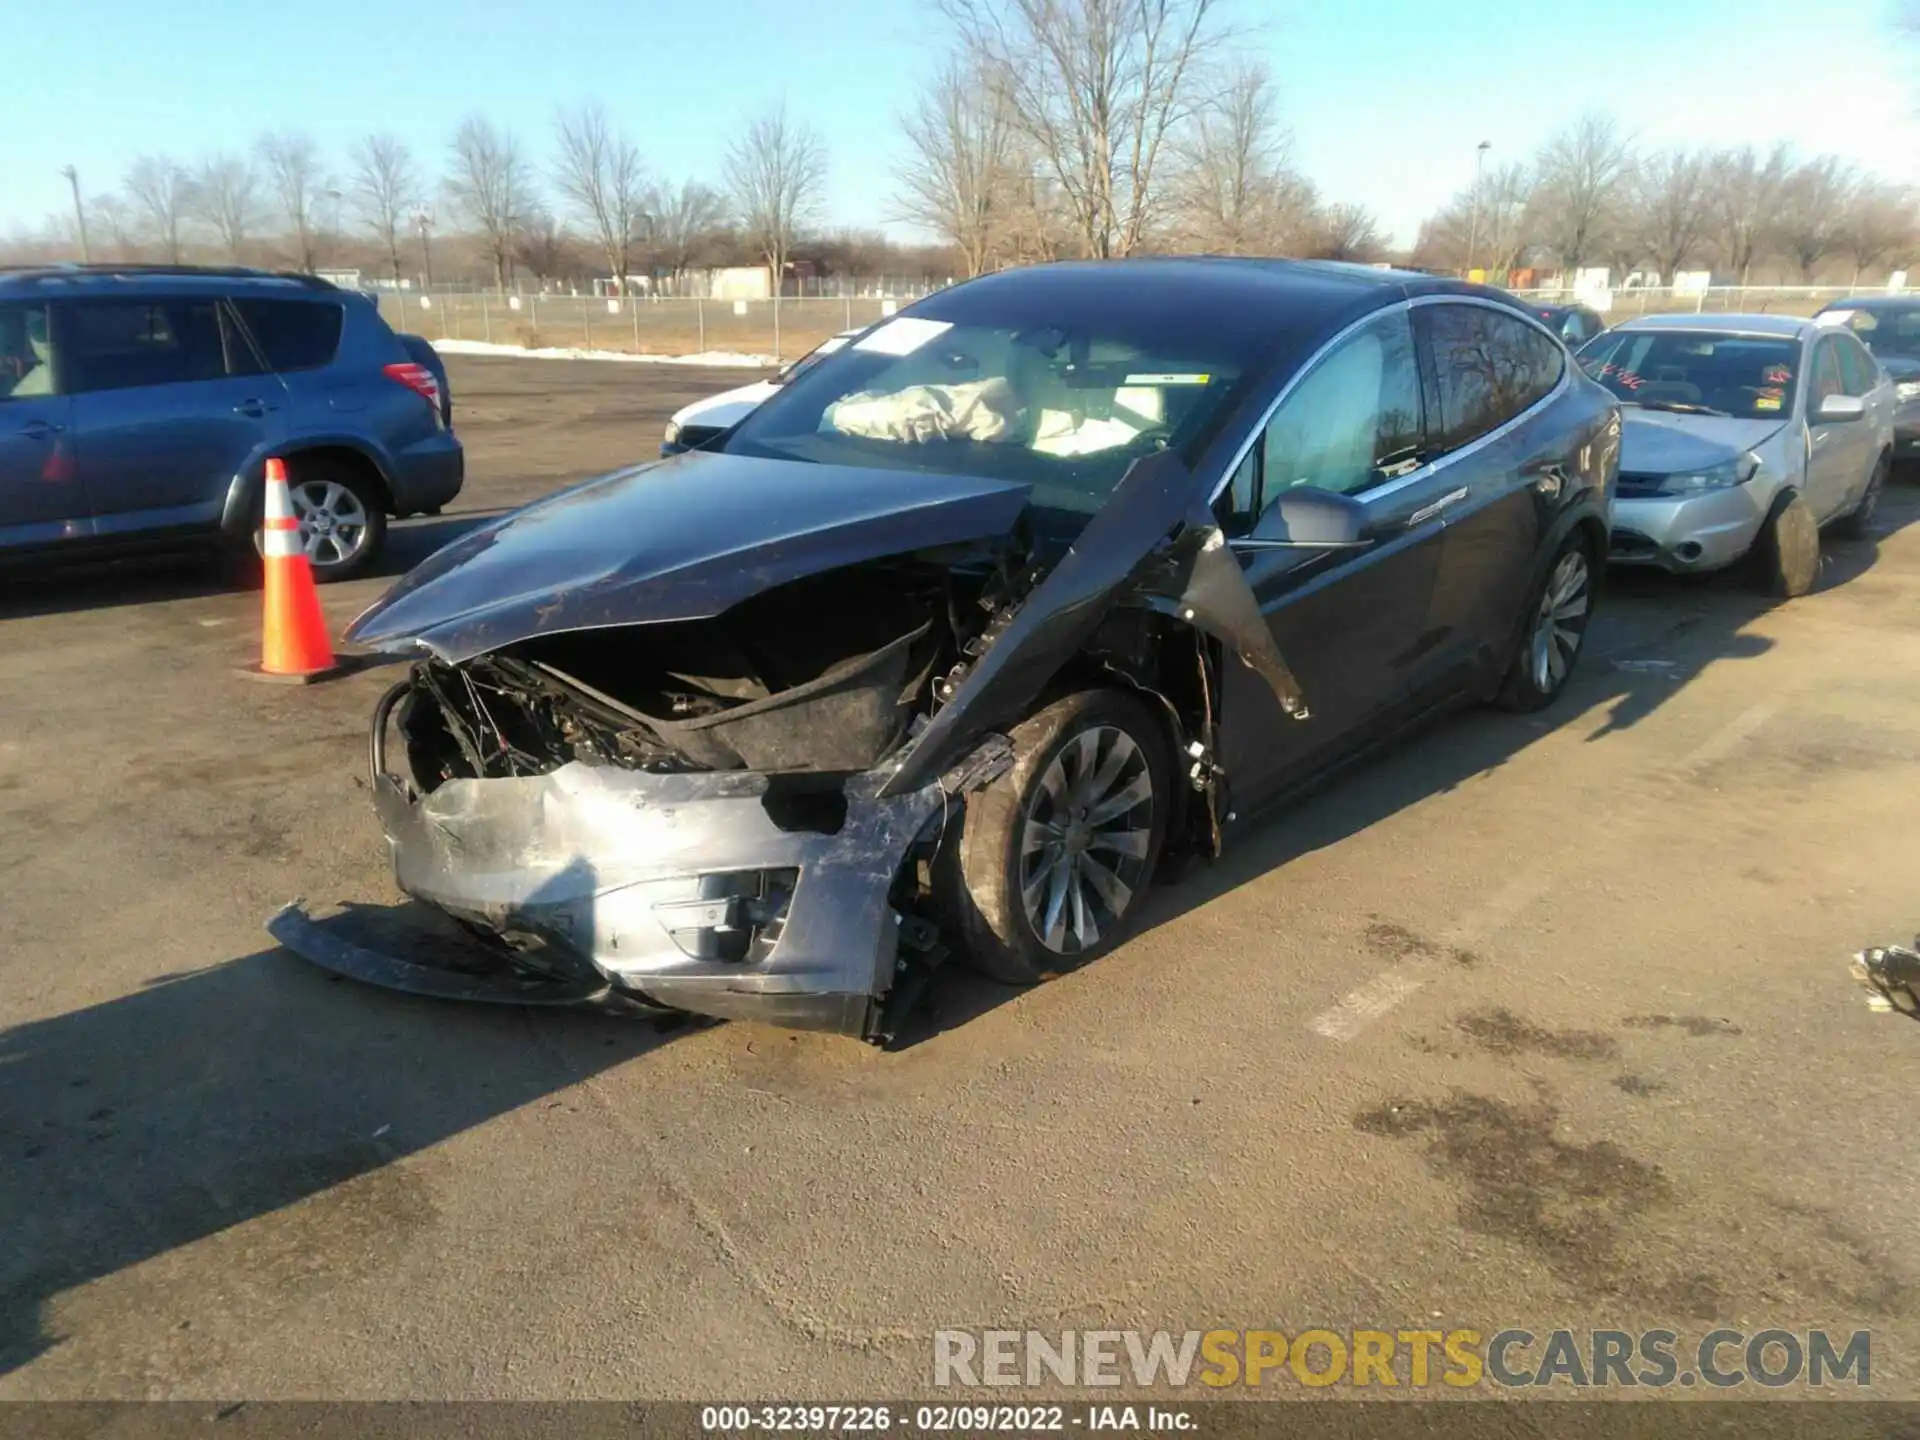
<point x="293" y="334"/>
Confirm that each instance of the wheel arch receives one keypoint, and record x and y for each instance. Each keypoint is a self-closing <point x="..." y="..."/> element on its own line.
<point x="242" y="506"/>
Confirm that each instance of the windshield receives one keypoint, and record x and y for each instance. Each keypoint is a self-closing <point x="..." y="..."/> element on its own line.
<point x="1887" y="333"/>
<point x="1062" y="401"/>
<point x="1697" y="371"/>
<point x="812" y="357"/>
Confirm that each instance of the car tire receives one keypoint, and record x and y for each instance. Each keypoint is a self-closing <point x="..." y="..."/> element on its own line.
<point x="1559" y="608"/>
<point x="346" y="494"/>
<point x="1857" y="523"/>
<point x="1786" y="555"/>
<point x="1019" y="874"/>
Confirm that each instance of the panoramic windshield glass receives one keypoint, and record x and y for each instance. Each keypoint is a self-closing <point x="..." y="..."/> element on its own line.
<point x="1063" y="402"/>
<point x="1697" y="371"/>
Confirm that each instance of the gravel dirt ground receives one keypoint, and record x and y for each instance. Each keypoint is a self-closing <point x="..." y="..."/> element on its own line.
<point x="1535" y="1022"/>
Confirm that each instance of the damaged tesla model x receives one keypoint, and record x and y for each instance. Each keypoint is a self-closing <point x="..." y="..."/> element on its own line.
<point x="967" y="632"/>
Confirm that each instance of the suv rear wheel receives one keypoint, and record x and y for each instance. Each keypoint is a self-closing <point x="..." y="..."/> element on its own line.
<point x="343" y="519"/>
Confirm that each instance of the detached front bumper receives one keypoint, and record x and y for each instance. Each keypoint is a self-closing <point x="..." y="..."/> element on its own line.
<point x="1687" y="533"/>
<point x="727" y="894"/>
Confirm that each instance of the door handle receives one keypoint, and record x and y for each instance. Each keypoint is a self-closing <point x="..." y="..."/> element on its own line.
<point x="40" y="429"/>
<point x="253" y="409"/>
<point x="1427" y="512"/>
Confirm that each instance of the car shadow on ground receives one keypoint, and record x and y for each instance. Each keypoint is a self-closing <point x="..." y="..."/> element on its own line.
<point x="53" y="588"/>
<point x="1653" y="634"/>
<point x="257" y="1087"/>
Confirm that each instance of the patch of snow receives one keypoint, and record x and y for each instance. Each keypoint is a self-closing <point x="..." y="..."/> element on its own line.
<point x="705" y="357"/>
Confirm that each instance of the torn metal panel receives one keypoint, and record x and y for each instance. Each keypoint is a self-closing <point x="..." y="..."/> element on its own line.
<point x="1129" y="552"/>
<point x="682" y="539"/>
<point x="654" y="884"/>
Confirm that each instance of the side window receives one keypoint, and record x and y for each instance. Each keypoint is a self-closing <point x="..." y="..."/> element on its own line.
<point x="293" y="334"/>
<point x="26" y="352"/>
<point x="1857" y="370"/>
<point x="1827" y="379"/>
<point x="1353" y="421"/>
<point x="121" y="344"/>
<point x="1488" y="367"/>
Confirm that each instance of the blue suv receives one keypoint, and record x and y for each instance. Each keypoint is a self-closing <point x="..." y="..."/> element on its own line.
<point x="138" y="405"/>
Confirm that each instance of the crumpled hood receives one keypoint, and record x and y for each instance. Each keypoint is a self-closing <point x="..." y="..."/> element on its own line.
<point x="1659" y="442"/>
<point x="681" y="539"/>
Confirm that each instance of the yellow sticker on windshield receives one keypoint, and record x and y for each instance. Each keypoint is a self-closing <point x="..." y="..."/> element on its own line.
<point x="1766" y="402"/>
<point x="1182" y="378"/>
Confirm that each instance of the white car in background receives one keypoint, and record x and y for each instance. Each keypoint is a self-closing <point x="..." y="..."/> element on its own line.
<point x="694" y="425"/>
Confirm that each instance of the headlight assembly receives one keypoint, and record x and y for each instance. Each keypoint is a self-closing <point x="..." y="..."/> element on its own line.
<point x="673" y="432"/>
<point x="1723" y="476"/>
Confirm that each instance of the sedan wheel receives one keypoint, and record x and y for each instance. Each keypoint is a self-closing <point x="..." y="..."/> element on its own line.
<point x="1083" y="845"/>
<point x="1043" y="869"/>
<point x="1556" y="628"/>
<point x="1561" y="622"/>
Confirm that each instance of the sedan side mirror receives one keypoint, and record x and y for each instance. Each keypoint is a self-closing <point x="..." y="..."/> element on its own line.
<point x="1309" y="519"/>
<point x="1840" y="407"/>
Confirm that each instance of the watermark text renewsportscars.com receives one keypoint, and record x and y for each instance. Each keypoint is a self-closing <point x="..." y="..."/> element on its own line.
<point x="1512" y="1358"/>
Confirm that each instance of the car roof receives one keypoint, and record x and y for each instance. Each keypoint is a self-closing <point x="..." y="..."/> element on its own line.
<point x="1222" y="284"/>
<point x="1786" y="327"/>
<point x="112" y="279"/>
<point x="1873" y="302"/>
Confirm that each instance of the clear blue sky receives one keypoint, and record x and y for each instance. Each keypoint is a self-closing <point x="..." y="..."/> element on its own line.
<point x="1386" y="99"/>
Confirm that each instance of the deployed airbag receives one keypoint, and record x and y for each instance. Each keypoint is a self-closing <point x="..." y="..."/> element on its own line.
<point x="977" y="410"/>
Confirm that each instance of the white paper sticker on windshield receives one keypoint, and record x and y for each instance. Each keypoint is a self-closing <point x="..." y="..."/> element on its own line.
<point x="1834" y="317"/>
<point x="1181" y="378"/>
<point x="902" y="336"/>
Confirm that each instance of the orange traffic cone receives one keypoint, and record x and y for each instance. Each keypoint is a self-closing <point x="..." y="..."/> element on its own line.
<point x="293" y="643"/>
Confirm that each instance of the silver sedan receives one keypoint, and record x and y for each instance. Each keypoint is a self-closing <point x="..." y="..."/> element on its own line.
<point x="1743" y="436"/>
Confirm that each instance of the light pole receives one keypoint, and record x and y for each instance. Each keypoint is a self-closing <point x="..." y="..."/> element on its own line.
<point x="334" y="195"/>
<point x="79" y="214"/>
<point x="424" y="219"/>
<point x="1473" y="225"/>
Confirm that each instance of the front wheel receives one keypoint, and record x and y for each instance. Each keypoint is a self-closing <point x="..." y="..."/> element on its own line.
<point x="342" y="519"/>
<point x="1052" y="858"/>
<point x="1556" y="630"/>
<point x="1786" y="556"/>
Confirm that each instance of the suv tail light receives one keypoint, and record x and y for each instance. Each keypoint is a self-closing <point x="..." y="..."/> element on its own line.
<point x="418" y="379"/>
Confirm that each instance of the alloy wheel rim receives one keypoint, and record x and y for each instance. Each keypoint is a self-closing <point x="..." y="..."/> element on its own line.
<point x="1084" y="839"/>
<point x="1560" y="623"/>
<point x="333" y="522"/>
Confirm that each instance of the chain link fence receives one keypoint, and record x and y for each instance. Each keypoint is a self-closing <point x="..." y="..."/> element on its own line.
<point x="1717" y="299"/>
<point x="642" y="325"/>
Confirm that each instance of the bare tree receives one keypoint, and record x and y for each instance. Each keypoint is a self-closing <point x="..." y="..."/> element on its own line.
<point x="1876" y="221"/>
<point x="161" y="193"/>
<point x="1488" y="231"/>
<point x="116" y="221"/>
<point x="490" y="184"/>
<point x="386" y="188"/>
<point x="1579" y="188"/>
<point x="1232" y="191"/>
<point x="599" y="171"/>
<point x="291" y="162"/>
<point x="225" y="199"/>
<point x="1807" y="214"/>
<point x="958" y="176"/>
<point x="1346" y="232"/>
<point x="684" y="218"/>
<point x="1746" y="189"/>
<point x="1098" y="88"/>
<point x="1672" y="208"/>
<point x="775" y="171"/>
<point x="543" y="246"/>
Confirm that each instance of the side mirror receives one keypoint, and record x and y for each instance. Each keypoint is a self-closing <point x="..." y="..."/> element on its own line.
<point x="1840" y="407"/>
<point x="1309" y="519"/>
